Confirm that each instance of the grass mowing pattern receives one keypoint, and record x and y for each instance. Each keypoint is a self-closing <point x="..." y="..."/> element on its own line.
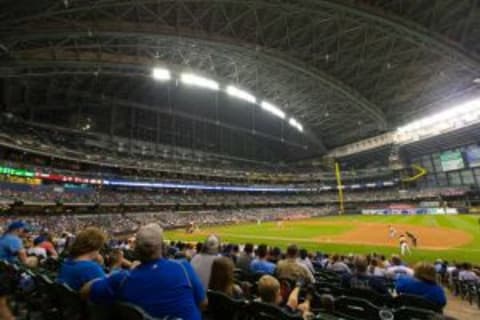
<point x="303" y="234"/>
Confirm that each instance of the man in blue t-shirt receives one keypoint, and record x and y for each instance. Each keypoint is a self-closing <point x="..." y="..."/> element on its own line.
<point x="11" y="244"/>
<point x="159" y="286"/>
<point x="260" y="263"/>
<point x="423" y="284"/>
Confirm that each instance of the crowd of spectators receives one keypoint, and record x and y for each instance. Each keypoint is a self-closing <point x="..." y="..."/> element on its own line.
<point x="56" y="193"/>
<point x="66" y="143"/>
<point x="167" y="278"/>
<point x="128" y="223"/>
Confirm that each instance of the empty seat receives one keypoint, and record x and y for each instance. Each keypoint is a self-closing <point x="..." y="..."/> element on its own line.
<point x="264" y="311"/>
<point x="356" y="308"/>
<point x="223" y="307"/>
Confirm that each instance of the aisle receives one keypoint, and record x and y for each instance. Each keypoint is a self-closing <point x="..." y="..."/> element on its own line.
<point x="460" y="309"/>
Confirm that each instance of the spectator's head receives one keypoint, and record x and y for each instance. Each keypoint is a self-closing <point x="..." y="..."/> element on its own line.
<point x="19" y="228"/>
<point x="292" y="251"/>
<point x="425" y="271"/>
<point x="248" y="248"/>
<point x="269" y="290"/>
<point x="466" y="266"/>
<point x="396" y="261"/>
<point x="212" y="245"/>
<point x="303" y="253"/>
<point x="360" y="263"/>
<point x="88" y="242"/>
<point x="199" y="247"/>
<point x="262" y="251"/>
<point x="149" y="243"/>
<point x="335" y="258"/>
<point x="116" y="258"/>
<point x="221" y="278"/>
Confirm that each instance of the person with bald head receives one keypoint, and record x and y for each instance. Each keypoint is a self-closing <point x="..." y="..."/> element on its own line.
<point x="161" y="287"/>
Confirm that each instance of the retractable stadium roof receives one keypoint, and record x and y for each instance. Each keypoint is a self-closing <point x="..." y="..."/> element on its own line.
<point x="345" y="70"/>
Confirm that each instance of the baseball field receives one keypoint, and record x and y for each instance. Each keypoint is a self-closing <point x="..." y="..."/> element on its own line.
<point x="447" y="237"/>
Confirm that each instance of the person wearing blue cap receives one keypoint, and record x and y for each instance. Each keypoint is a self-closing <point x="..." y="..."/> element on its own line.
<point x="11" y="244"/>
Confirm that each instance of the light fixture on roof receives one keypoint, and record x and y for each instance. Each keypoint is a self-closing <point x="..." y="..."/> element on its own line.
<point x="468" y="111"/>
<point x="194" y="80"/>
<point x="235" y="92"/>
<point x="161" y="74"/>
<point x="273" y="109"/>
<point x="294" y="123"/>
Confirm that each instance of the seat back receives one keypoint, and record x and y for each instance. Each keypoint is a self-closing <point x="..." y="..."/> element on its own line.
<point x="128" y="311"/>
<point x="413" y="313"/>
<point x="265" y="311"/>
<point x="406" y="300"/>
<point x="356" y="308"/>
<point x="377" y="299"/>
<point x="223" y="307"/>
<point x="71" y="306"/>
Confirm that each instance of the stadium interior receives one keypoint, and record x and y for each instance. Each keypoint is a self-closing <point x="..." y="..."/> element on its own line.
<point x="239" y="159"/>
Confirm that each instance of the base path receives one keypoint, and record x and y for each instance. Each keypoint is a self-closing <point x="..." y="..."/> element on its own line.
<point x="432" y="238"/>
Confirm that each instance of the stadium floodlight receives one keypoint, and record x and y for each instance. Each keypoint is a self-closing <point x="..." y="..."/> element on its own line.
<point x="161" y="74"/>
<point x="194" y="80"/>
<point x="294" y="123"/>
<point x="273" y="109"/>
<point x="244" y="95"/>
<point x="467" y="111"/>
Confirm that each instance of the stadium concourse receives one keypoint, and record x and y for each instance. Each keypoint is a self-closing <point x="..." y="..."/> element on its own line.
<point x="239" y="160"/>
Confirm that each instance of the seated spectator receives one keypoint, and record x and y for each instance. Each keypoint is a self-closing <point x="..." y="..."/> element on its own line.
<point x="37" y="250"/>
<point x="260" y="264"/>
<point x="202" y="263"/>
<point x="275" y="255"/>
<point x="422" y="284"/>
<point x="245" y="258"/>
<point x="305" y="260"/>
<point x="289" y="267"/>
<point x="46" y="242"/>
<point x="161" y="287"/>
<point x="338" y="265"/>
<point x="117" y="262"/>
<point x="397" y="268"/>
<point x="376" y="268"/>
<point x="11" y="244"/>
<point x="466" y="274"/>
<point x="85" y="259"/>
<point x="222" y="278"/>
<point x="361" y="280"/>
<point x="269" y="292"/>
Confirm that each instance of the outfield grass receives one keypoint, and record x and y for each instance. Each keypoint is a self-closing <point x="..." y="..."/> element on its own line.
<point x="304" y="232"/>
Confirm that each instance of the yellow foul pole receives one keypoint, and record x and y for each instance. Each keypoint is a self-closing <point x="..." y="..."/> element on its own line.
<point x="339" y="187"/>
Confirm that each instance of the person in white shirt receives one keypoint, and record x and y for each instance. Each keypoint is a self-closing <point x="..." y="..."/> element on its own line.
<point x="397" y="268"/>
<point x="467" y="274"/>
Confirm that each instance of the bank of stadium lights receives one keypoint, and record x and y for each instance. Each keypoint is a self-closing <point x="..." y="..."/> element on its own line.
<point x="294" y="123"/>
<point x="194" y="80"/>
<point x="272" y="109"/>
<point x="161" y="74"/>
<point x="453" y="118"/>
<point x="238" y="93"/>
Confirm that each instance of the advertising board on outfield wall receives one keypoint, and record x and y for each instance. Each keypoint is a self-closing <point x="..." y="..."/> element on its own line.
<point x="414" y="211"/>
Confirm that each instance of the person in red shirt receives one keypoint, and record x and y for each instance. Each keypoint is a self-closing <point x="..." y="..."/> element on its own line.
<point x="48" y="245"/>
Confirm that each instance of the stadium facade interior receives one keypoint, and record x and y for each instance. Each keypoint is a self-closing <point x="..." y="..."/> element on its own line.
<point x="204" y="113"/>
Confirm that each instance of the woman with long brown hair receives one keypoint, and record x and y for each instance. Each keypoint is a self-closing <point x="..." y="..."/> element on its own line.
<point x="222" y="279"/>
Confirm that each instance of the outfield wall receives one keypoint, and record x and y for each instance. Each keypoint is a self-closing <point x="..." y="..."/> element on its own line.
<point x="411" y="211"/>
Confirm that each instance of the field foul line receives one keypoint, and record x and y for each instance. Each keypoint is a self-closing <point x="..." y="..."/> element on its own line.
<point x="336" y="242"/>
